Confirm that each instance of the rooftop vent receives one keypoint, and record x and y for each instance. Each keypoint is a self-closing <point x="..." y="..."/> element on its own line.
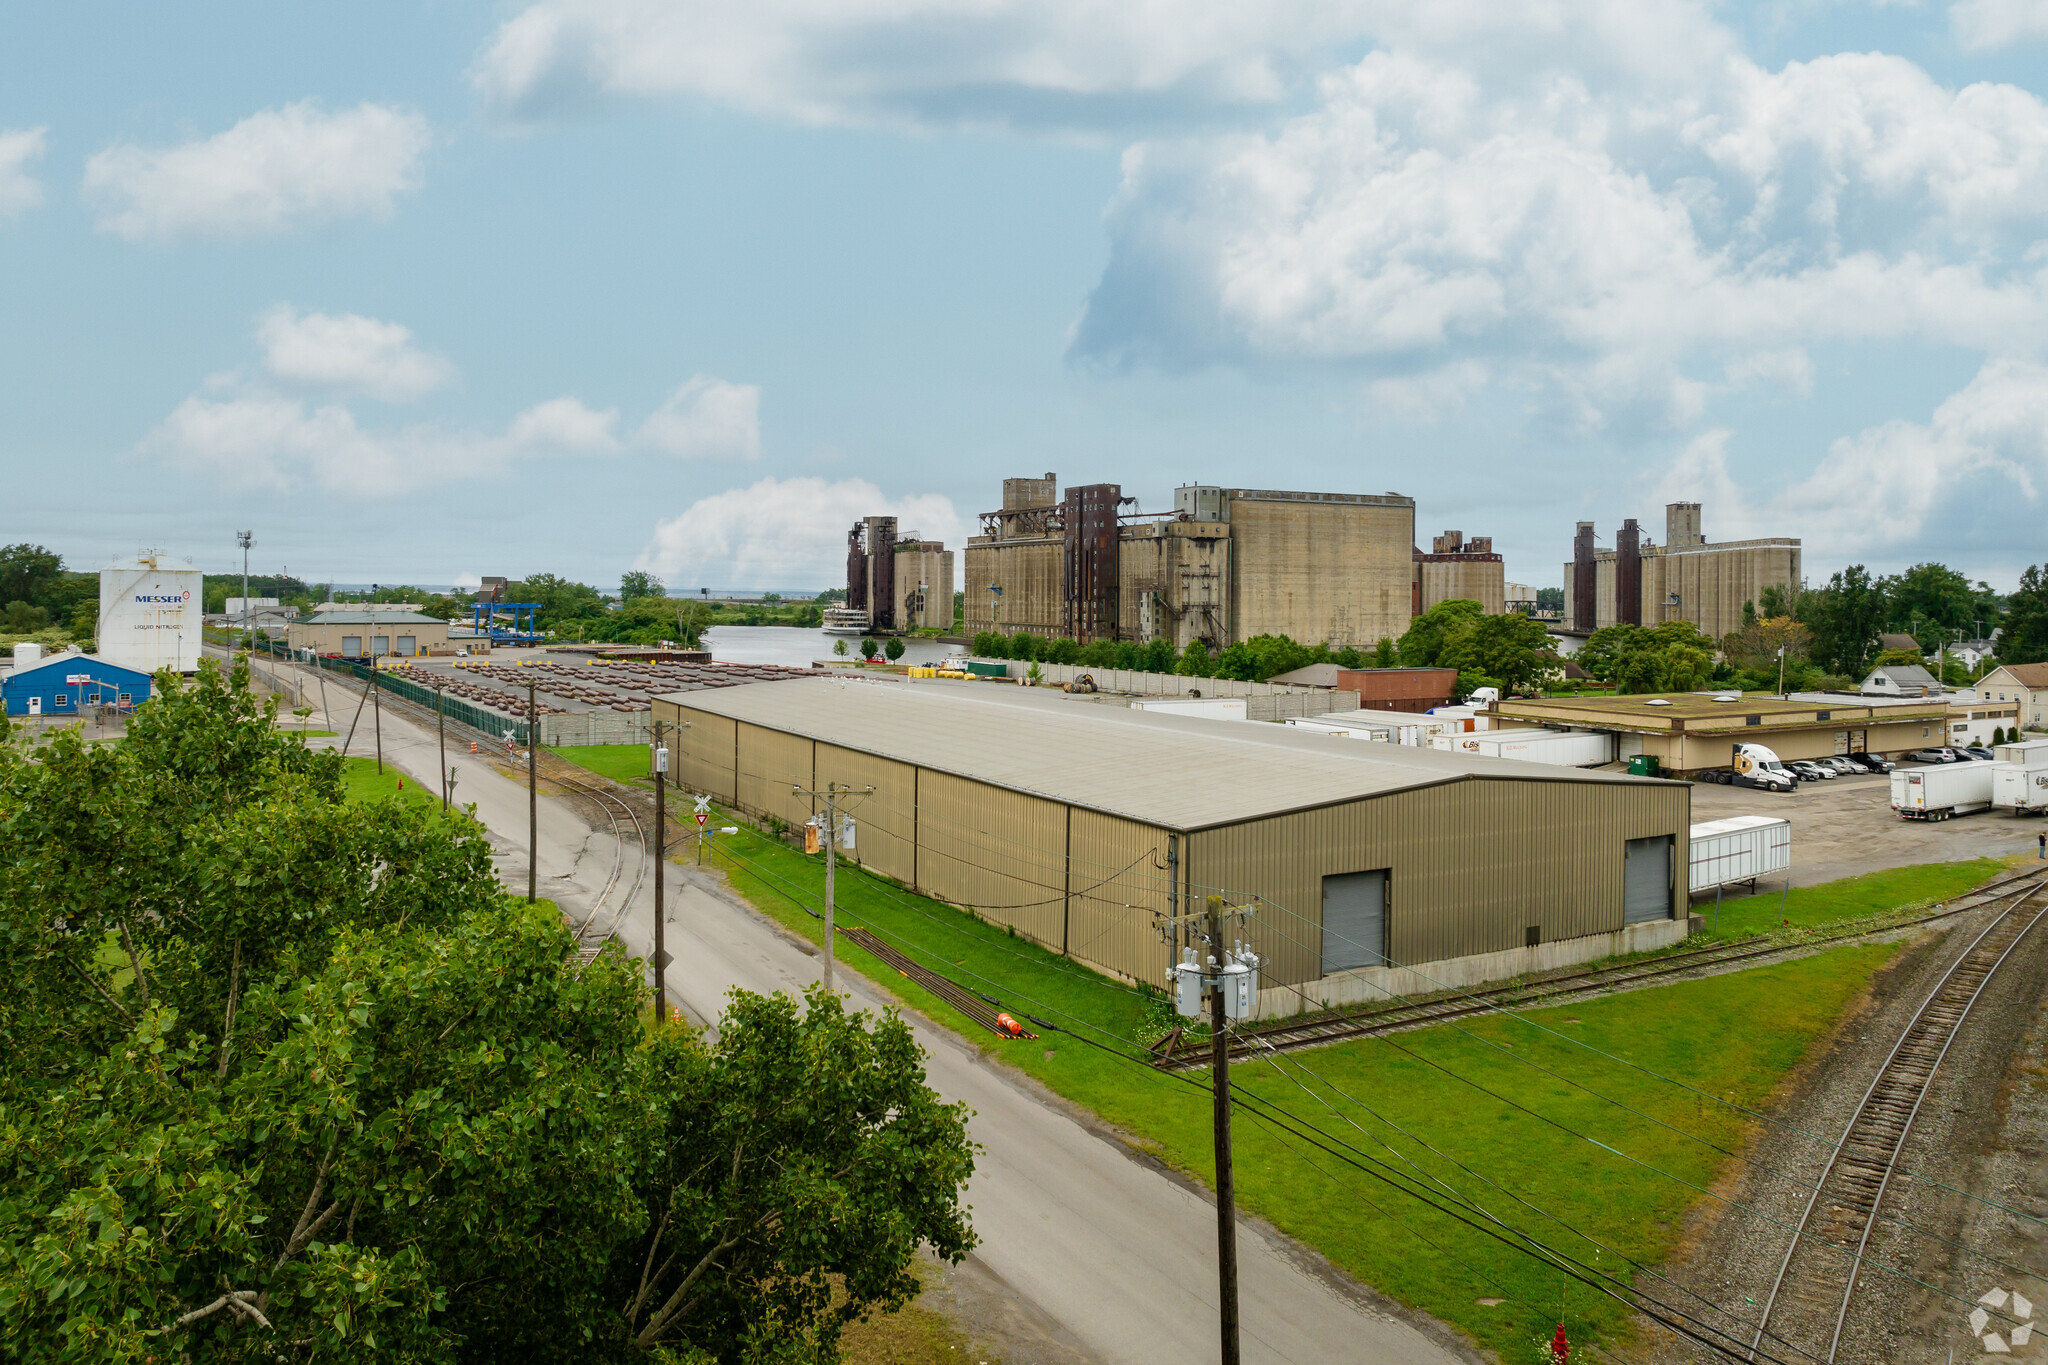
<point x="1656" y="701"/>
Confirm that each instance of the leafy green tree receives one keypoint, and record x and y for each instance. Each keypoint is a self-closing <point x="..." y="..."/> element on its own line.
<point x="1670" y="657"/>
<point x="839" y="648"/>
<point x="1194" y="661"/>
<point x="1846" y="617"/>
<point x="290" y="1074"/>
<point x="1157" y="657"/>
<point x="1897" y="658"/>
<point x="1550" y="599"/>
<point x="27" y="572"/>
<point x="1263" y="656"/>
<point x="1429" y="632"/>
<point x="1386" y="654"/>
<point x="894" y="649"/>
<point x="1061" y="651"/>
<point x="640" y="583"/>
<point x="1774" y="602"/>
<point x="868" y="648"/>
<point x="2025" y="640"/>
<point x="1511" y="650"/>
<point x="561" y="600"/>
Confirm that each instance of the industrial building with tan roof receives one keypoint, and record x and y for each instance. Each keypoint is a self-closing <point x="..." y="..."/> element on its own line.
<point x="1371" y="867"/>
<point x="1687" y="732"/>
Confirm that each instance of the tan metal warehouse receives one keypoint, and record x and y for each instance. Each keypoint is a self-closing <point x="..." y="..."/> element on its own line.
<point x="1079" y="824"/>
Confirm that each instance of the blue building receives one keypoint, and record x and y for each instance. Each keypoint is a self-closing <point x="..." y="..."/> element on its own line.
<point x="71" y="685"/>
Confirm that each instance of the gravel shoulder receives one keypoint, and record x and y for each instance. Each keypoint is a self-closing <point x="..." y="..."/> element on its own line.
<point x="1980" y="1129"/>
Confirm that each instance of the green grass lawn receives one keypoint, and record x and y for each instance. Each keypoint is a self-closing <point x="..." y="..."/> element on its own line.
<point x="361" y="781"/>
<point x="630" y="763"/>
<point x="1731" y="1036"/>
<point x="1830" y="903"/>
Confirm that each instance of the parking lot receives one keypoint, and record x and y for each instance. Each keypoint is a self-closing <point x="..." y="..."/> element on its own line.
<point x="1846" y="826"/>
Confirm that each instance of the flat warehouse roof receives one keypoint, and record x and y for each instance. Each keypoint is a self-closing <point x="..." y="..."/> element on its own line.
<point x="1177" y="772"/>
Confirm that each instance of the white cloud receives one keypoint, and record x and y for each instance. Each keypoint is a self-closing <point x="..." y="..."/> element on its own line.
<point x="566" y="425"/>
<point x="707" y="418"/>
<point x="1603" y="242"/>
<point x="782" y="532"/>
<point x="272" y="171"/>
<point x="243" y="437"/>
<point x="349" y="351"/>
<point x="1981" y="24"/>
<point x="1982" y="456"/>
<point x="1059" y="63"/>
<point x="19" y="191"/>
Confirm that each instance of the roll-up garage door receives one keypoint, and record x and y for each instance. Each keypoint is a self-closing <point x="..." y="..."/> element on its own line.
<point x="1646" y="880"/>
<point x="1354" y="921"/>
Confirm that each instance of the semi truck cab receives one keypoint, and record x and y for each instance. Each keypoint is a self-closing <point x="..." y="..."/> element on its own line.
<point x="1756" y="766"/>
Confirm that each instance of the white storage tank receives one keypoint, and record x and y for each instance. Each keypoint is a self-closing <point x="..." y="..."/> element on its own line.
<point x="150" y="610"/>
<point x="1739" y="849"/>
<point x="1940" y="790"/>
<point x="27" y="654"/>
<point x="1567" y="748"/>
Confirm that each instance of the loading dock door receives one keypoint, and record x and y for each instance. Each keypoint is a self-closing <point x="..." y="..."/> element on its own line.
<point x="1354" y="921"/>
<point x="1646" y="880"/>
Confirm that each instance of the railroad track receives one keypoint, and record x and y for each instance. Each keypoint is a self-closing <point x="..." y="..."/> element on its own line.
<point x="1818" y="1270"/>
<point x="1407" y="1013"/>
<point x="589" y="942"/>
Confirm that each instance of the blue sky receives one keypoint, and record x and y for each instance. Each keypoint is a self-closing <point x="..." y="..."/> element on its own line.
<point x="429" y="291"/>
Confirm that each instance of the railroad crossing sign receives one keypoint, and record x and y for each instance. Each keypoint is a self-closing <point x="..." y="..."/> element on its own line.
<point x="703" y="811"/>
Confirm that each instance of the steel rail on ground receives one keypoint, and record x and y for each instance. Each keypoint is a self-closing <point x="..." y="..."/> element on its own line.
<point x="1859" y="1168"/>
<point x="1400" y="1013"/>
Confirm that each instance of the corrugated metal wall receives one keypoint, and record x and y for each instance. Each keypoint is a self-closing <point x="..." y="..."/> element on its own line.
<point x="1118" y="882"/>
<point x="770" y="763"/>
<point x="885" y="821"/>
<point x="700" y="756"/>
<point x="1001" y="852"/>
<point x="1472" y="864"/>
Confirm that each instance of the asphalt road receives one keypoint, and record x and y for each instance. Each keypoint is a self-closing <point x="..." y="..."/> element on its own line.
<point x="1115" y="1253"/>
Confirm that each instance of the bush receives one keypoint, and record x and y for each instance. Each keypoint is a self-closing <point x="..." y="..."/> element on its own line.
<point x="1061" y="651"/>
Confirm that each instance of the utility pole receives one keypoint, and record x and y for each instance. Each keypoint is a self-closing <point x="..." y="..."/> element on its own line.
<point x="660" y="857"/>
<point x="245" y="539"/>
<point x="1228" y="977"/>
<point x="532" y="792"/>
<point x="831" y="858"/>
<point x="1226" y="1211"/>
<point x="833" y="791"/>
<point x="377" y="713"/>
<point x="441" y="717"/>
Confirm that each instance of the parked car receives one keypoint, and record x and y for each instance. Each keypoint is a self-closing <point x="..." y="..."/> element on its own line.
<point x="1812" y="771"/>
<point x="1873" y="763"/>
<point x="1847" y="767"/>
<point x="1933" y="755"/>
<point x="1982" y="755"/>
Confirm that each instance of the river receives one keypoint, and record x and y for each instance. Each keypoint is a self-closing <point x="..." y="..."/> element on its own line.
<point x="800" y="647"/>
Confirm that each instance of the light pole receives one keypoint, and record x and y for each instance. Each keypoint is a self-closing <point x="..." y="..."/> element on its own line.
<point x="660" y="857"/>
<point x="245" y="539"/>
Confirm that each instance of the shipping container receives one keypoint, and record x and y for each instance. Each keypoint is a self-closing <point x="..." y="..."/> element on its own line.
<point x="1739" y="849"/>
<point x="1566" y="748"/>
<point x="1372" y="731"/>
<point x="1939" y="791"/>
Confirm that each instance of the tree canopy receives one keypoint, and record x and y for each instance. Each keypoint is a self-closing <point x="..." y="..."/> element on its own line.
<point x="291" y="1076"/>
<point x="1669" y="657"/>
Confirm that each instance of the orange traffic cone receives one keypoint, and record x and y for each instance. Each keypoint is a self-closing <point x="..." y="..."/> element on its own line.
<point x="472" y="746"/>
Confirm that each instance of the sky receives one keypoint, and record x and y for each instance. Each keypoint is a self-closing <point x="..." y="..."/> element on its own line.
<point x="420" y="292"/>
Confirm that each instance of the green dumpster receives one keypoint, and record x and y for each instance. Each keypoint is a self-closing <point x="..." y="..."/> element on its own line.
<point x="1643" y="765"/>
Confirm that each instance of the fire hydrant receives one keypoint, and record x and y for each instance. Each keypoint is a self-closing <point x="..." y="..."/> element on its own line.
<point x="1560" y="1347"/>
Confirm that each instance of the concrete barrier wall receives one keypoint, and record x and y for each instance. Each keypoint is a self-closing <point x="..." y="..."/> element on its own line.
<point x="596" y="727"/>
<point x="1283" y="705"/>
<point x="1142" y="684"/>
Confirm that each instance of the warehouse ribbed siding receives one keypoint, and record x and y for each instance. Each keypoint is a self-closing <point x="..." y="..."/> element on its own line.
<point x="1565" y="877"/>
<point x="1071" y="822"/>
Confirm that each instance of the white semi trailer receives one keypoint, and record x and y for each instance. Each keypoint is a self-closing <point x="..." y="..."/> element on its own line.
<point x="150" y="608"/>
<point x="1941" y="790"/>
<point x="1568" y="748"/>
<point x="2019" y="779"/>
<point x="1739" y="849"/>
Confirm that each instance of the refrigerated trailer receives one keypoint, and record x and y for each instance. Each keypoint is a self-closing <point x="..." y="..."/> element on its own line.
<point x="1569" y="748"/>
<point x="1739" y="849"/>
<point x="1940" y="790"/>
<point x="2019" y="779"/>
